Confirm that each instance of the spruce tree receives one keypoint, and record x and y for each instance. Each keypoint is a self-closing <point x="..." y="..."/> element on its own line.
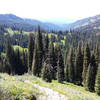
<point x="35" y="66"/>
<point x="60" y="67"/>
<point x="38" y="54"/>
<point x="30" y="52"/>
<point x="97" y="83"/>
<point x="85" y="62"/>
<point x="19" y="67"/>
<point x="52" y="58"/>
<point x="66" y="72"/>
<point x="91" y="74"/>
<point x="46" y="43"/>
<point x="79" y="65"/>
<point x="46" y="73"/>
<point x="45" y="46"/>
<point x="97" y="53"/>
<point x="24" y="60"/>
<point x="18" y="61"/>
<point x="56" y="51"/>
<point x="95" y="67"/>
<point x="70" y="66"/>
<point x="89" y="84"/>
<point x="10" y="56"/>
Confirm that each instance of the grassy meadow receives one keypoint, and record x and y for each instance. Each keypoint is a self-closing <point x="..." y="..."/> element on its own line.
<point x="14" y="87"/>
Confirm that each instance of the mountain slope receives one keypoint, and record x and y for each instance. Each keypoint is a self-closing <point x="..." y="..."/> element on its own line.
<point x="91" y="24"/>
<point x="26" y="24"/>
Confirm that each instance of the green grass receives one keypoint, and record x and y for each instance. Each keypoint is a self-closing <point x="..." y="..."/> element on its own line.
<point x="3" y="54"/>
<point x="11" y="32"/>
<point x="27" y="33"/>
<point x="64" y="37"/>
<point x="17" y="87"/>
<point x="63" y="42"/>
<point x="74" y="92"/>
<point x="52" y="34"/>
<point x="20" y="48"/>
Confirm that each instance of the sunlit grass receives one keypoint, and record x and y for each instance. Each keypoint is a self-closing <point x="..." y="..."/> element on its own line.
<point x="16" y="85"/>
<point x="20" y="48"/>
<point x="74" y="92"/>
<point x="17" y="88"/>
<point x="63" y="42"/>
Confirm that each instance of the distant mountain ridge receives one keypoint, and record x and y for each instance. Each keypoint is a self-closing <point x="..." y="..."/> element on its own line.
<point x="27" y="24"/>
<point x="91" y="24"/>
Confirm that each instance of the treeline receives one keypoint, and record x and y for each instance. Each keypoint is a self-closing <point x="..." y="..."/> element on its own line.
<point x="76" y="62"/>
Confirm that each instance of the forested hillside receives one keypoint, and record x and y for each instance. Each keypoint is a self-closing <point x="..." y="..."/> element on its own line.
<point x="65" y="56"/>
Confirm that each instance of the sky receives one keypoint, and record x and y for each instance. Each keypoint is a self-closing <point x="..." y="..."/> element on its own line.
<point x="45" y="10"/>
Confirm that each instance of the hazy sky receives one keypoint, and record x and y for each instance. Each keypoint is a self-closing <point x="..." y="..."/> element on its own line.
<point x="51" y="9"/>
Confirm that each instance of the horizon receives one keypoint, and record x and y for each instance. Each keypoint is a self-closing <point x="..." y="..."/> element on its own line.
<point x="54" y="21"/>
<point x="51" y="9"/>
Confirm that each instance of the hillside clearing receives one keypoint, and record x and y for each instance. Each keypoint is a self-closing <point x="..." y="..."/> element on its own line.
<point x="51" y="94"/>
<point x="29" y="85"/>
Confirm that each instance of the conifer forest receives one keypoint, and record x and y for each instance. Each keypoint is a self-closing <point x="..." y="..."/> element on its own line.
<point x="66" y="56"/>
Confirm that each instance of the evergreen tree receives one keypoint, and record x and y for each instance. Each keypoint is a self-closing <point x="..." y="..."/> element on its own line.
<point x="24" y="60"/>
<point x="19" y="67"/>
<point x="85" y="62"/>
<point x="46" y="73"/>
<point x="30" y="52"/>
<point x="89" y="85"/>
<point x="60" y="67"/>
<point x="56" y="51"/>
<point x="45" y="46"/>
<point x="35" y="66"/>
<point x="97" y="83"/>
<point x="52" y="59"/>
<point x="10" y="56"/>
<point x="79" y="66"/>
<point x="46" y="43"/>
<point x="70" y="66"/>
<point x="18" y="61"/>
<point x="38" y="54"/>
<point x="97" y="53"/>
<point x="66" y="72"/>
<point x="95" y="67"/>
<point x="91" y="74"/>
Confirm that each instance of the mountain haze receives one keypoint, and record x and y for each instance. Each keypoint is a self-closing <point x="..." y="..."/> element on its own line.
<point x="91" y="24"/>
<point x="27" y="24"/>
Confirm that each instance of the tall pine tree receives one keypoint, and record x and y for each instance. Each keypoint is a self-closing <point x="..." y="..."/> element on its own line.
<point x="89" y="84"/>
<point x="79" y="65"/>
<point x="91" y="74"/>
<point x="85" y="62"/>
<point x="70" y="77"/>
<point x="46" y="72"/>
<point x="30" y="52"/>
<point x="38" y="54"/>
<point x="52" y="58"/>
<point x="10" y="56"/>
<point x="97" y="83"/>
<point x="97" y="54"/>
<point x="60" y="67"/>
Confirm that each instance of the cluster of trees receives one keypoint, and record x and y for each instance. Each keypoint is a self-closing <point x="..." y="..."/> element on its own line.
<point x="80" y="67"/>
<point x="15" y="61"/>
<point x="77" y="61"/>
